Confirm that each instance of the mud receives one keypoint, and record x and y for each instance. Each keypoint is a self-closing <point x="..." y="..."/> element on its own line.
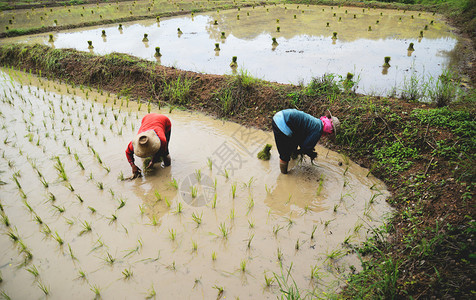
<point x="43" y="119"/>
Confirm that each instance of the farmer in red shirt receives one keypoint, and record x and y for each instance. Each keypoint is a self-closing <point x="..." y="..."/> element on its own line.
<point x="152" y="140"/>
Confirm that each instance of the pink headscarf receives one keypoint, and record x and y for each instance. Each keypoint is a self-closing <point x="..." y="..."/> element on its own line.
<point x="327" y="124"/>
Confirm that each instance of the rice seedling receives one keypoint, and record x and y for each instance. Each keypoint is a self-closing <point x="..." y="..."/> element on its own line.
<point x="214" y="256"/>
<point x="223" y="230"/>
<point x="5" y="295"/>
<point x="179" y="208"/>
<point x="268" y="280"/>
<point x="251" y="223"/>
<point x="226" y="173"/>
<point x="33" y="271"/>
<point x="220" y="290"/>
<point x="60" y="209"/>
<point x="122" y="203"/>
<point x="127" y="273"/>
<point x="44" y="288"/>
<point x="96" y="290"/>
<point x="233" y="190"/>
<point x="109" y="258"/>
<point x="92" y="209"/>
<point x="5" y="220"/>
<point x="100" y="185"/>
<point x="243" y="265"/>
<point x="198" y="175"/>
<point x="81" y="274"/>
<point x="38" y="219"/>
<point x="60" y="169"/>
<point x="86" y="227"/>
<point x="172" y="234"/>
<point x="297" y="246"/>
<point x="44" y="182"/>
<point x="279" y="254"/>
<point x="15" y="179"/>
<point x="174" y="183"/>
<point x="194" y="246"/>
<point x="249" y="240"/>
<point x="209" y="163"/>
<point x="112" y="219"/>
<point x="58" y="238"/>
<point x="276" y="229"/>
<point x="314" y="227"/>
<point x="167" y="202"/>
<point x="151" y="293"/>
<point x="232" y="214"/>
<point x="197" y="218"/>
<point x="51" y="197"/>
<point x="193" y="191"/>
<point x="315" y="274"/>
<point x="46" y="230"/>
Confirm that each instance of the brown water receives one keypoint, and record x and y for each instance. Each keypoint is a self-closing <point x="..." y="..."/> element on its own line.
<point x="305" y="46"/>
<point x="43" y="119"/>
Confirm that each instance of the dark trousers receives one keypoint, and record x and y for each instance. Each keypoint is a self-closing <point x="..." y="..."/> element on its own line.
<point x="285" y="144"/>
<point x="163" y="153"/>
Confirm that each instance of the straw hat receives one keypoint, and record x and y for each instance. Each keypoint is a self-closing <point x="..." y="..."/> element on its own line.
<point x="146" y="143"/>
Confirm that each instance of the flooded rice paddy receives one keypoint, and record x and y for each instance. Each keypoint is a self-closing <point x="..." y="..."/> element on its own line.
<point x="217" y="218"/>
<point x="304" y="47"/>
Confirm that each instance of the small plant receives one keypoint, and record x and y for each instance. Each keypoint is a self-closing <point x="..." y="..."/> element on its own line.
<point x="172" y="234"/>
<point x="234" y="63"/>
<point x="279" y="254"/>
<point x="214" y="256"/>
<point x="223" y="230"/>
<point x="197" y="218"/>
<point x="334" y="35"/>
<point x="157" y="52"/>
<point x="410" y="47"/>
<point x="278" y="29"/>
<point x="265" y="154"/>
<point x="34" y="271"/>
<point x="193" y="191"/>
<point x="233" y="190"/>
<point x="44" y="288"/>
<point x="220" y="290"/>
<point x="57" y="238"/>
<point x="103" y="33"/>
<point x="314" y="227"/>
<point x="51" y="39"/>
<point x="96" y="290"/>
<point x="145" y="39"/>
<point x="179" y="32"/>
<point x="179" y="208"/>
<point x="127" y="273"/>
<point x="86" y="227"/>
<point x="386" y="62"/>
<point x="243" y="265"/>
<point x="90" y="45"/>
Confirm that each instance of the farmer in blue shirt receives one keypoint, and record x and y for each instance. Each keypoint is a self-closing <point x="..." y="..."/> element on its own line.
<point x="293" y="128"/>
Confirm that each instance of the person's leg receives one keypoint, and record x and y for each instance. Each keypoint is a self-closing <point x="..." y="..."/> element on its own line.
<point x="285" y="146"/>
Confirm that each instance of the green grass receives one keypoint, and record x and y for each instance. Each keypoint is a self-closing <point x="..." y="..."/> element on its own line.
<point x="178" y="91"/>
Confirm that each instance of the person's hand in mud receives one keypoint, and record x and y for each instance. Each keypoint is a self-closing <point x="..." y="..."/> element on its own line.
<point x="136" y="172"/>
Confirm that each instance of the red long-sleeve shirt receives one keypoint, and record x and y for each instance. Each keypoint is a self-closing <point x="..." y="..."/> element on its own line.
<point x="160" y="124"/>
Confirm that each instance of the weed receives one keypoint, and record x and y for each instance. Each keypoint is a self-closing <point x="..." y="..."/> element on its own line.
<point x="178" y="91"/>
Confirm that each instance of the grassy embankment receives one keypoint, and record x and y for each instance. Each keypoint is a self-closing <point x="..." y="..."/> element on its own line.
<point x="424" y="153"/>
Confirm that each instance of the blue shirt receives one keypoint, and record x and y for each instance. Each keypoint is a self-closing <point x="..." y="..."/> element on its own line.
<point x="304" y="129"/>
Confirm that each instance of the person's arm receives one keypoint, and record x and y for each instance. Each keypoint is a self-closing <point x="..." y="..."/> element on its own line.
<point x="130" y="158"/>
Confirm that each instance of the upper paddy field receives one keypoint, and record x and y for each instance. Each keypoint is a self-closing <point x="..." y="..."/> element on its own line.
<point x="282" y="43"/>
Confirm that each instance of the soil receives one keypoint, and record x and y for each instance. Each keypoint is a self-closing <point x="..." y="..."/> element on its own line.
<point x="438" y="199"/>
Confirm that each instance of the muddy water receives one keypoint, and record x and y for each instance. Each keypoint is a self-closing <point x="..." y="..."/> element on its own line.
<point x="305" y="46"/>
<point x="153" y="233"/>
